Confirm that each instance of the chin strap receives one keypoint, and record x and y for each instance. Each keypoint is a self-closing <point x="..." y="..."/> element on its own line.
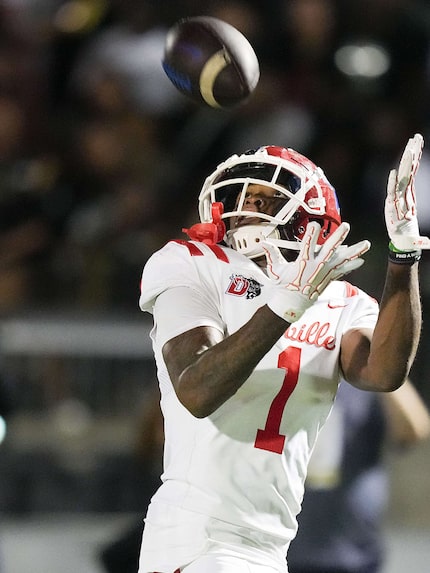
<point x="209" y="233"/>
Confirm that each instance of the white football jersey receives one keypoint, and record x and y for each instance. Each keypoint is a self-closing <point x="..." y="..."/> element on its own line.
<point x="234" y="480"/>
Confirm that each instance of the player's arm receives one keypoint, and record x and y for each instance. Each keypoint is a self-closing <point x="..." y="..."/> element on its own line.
<point x="382" y="362"/>
<point x="206" y="369"/>
<point x="204" y="366"/>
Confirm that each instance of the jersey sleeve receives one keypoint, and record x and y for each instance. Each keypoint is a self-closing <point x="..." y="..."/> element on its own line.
<point x="175" y="292"/>
<point x="364" y="312"/>
<point x="168" y="268"/>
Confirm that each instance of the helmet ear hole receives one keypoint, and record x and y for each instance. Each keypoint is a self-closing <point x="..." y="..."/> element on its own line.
<point x="295" y="229"/>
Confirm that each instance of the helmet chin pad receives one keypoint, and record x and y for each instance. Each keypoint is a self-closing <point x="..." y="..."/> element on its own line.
<point x="248" y="239"/>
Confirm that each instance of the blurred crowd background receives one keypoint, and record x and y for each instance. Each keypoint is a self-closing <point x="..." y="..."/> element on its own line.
<point x="101" y="162"/>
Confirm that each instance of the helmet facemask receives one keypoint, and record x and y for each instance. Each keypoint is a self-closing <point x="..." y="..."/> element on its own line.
<point x="302" y="193"/>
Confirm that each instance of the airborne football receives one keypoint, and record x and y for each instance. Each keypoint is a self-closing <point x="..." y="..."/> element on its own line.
<point x="211" y="62"/>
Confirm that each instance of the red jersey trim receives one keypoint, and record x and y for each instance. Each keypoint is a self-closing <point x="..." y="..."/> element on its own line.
<point x="219" y="253"/>
<point x="196" y="252"/>
<point x="192" y="248"/>
<point x="351" y="290"/>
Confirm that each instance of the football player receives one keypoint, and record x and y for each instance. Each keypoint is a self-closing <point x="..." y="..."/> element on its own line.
<point x="253" y="329"/>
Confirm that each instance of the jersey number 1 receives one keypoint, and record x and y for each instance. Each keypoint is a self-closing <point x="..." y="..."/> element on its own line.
<point x="270" y="439"/>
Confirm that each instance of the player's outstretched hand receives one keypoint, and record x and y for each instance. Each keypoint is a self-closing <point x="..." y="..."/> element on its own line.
<point x="298" y="284"/>
<point x="400" y="203"/>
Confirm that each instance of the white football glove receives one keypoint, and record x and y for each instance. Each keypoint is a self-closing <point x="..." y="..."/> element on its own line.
<point x="299" y="283"/>
<point x="400" y="203"/>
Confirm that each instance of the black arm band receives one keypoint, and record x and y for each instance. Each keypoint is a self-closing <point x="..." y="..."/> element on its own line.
<point x="402" y="257"/>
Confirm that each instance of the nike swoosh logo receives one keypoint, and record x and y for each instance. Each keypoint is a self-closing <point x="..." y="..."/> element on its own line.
<point x="336" y="305"/>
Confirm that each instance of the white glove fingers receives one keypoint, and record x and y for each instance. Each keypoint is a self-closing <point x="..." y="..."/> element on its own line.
<point x="410" y="202"/>
<point x="307" y="251"/>
<point x="310" y="240"/>
<point x="271" y="250"/>
<point x="334" y="241"/>
<point x="274" y="258"/>
<point x="417" y="150"/>
<point x="409" y="162"/>
<point x="392" y="200"/>
<point x="338" y="272"/>
<point x="413" y="150"/>
<point x="326" y="279"/>
<point x="356" y="250"/>
<point x="391" y="185"/>
<point x="345" y="268"/>
<point x="405" y="168"/>
<point x="343" y="258"/>
<point x="348" y="266"/>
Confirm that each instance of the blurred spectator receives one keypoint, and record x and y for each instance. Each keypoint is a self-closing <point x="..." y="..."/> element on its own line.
<point x="341" y="522"/>
<point x="24" y="230"/>
<point x="120" y="106"/>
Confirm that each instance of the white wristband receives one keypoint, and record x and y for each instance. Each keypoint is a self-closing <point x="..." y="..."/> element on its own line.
<point x="289" y="305"/>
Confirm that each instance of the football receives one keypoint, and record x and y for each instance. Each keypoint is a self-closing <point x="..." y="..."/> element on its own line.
<point x="211" y="62"/>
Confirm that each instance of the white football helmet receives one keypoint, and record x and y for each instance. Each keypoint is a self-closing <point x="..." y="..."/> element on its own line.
<point x="303" y="194"/>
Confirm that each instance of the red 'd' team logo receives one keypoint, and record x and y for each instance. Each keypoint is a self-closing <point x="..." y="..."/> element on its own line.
<point x="241" y="286"/>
